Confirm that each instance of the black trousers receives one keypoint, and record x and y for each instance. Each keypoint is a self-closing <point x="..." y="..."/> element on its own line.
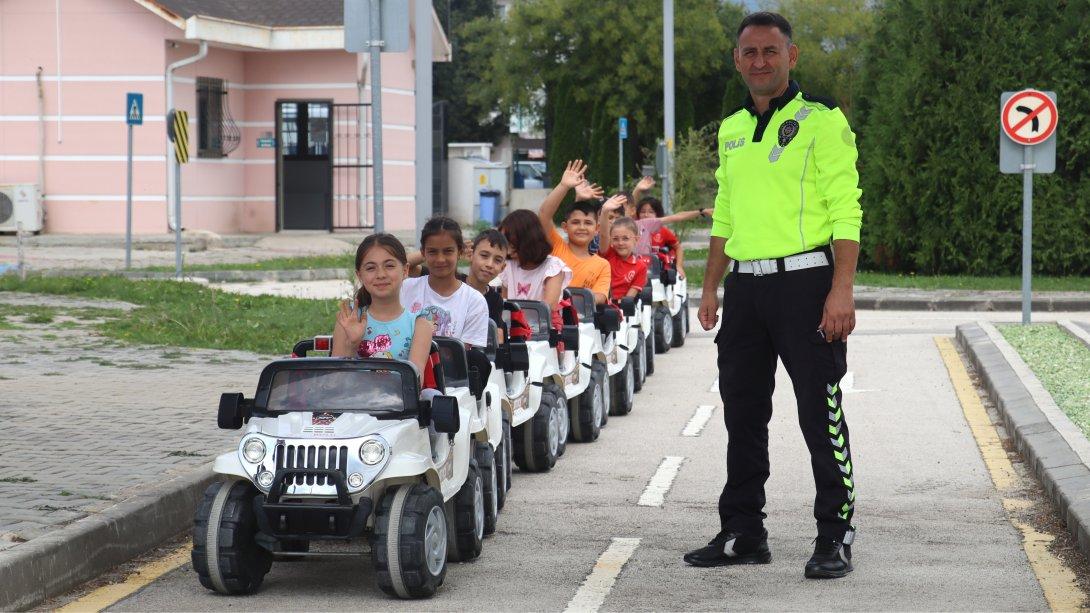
<point x="765" y="317"/>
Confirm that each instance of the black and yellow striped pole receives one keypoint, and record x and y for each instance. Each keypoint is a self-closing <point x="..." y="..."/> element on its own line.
<point x="178" y="133"/>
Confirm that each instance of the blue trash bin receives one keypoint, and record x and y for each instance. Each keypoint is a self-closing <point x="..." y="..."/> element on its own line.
<point x="490" y="206"/>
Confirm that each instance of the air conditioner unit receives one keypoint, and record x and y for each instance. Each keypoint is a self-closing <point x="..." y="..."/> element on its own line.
<point x="21" y="203"/>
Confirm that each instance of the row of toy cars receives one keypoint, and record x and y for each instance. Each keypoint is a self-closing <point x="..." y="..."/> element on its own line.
<point x="349" y="450"/>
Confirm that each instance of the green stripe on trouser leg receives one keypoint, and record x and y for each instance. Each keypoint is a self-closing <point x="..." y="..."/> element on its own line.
<point x="840" y="448"/>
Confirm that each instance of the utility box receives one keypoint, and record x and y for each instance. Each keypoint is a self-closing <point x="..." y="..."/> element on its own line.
<point x="468" y="178"/>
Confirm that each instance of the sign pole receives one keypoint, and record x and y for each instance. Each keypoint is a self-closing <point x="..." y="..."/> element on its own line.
<point x="622" y="134"/>
<point x="1027" y="232"/>
<point x="375" y="45"/>
<point x="128" y="206"/>
<point x="134" y="116"/>
<point x="178" y="221"/>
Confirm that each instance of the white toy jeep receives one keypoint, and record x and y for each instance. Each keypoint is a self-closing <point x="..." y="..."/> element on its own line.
<point x="343" y="449"/>
<point x="671" y="302"/>
<point x="536" y="396"/>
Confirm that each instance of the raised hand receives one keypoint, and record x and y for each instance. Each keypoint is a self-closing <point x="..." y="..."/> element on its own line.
<point x="588" y="191"/>
<point x="352" y="323"/>
<point x="614" y="203"/>
<point x="573" y="174"/>
<point x="645" y="184"/>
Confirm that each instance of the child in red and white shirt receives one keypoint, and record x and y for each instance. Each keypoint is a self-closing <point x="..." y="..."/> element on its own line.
<point x="619" y="236"/>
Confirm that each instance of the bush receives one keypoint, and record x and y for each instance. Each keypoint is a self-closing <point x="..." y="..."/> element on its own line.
<point x="927" y="118"/>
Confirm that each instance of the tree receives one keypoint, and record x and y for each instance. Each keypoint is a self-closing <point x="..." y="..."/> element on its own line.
<point x="468" y="120"/>
<point x="927" y="108"/>
<point x="609" y="51"/>
<point x="830" y="35"/>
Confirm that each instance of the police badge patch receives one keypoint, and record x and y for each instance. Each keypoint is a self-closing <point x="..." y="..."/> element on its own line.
<point x="788" y="130"/>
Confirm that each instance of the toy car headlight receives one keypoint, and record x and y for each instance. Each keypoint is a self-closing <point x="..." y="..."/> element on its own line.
<point x="372" y="452"/>
<point x="253" y="450"/>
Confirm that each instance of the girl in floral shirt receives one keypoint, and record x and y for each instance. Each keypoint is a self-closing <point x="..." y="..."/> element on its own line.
<point x="377" y="326"/>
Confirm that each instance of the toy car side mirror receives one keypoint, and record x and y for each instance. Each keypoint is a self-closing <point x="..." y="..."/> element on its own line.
<point x="444" y="414"/>
<point x="513" y="357"/>
<point x="628" y="306"/>
<point x="476" y="386"/>
<point x="669" y="277"/>
<point x="607" y="320"/>
<point x="645" y="294"/>
<point x="234" y="410"/>
<point x="570" y="336"/>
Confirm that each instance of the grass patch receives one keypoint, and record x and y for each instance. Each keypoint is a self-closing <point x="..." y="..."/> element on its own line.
<point x="192" y="315"/>
<point x="18" y="480"/>
<point x="1060" y="362"/>
<point x="289" y="263"/>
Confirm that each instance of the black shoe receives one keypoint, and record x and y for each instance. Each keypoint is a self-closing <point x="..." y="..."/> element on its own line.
<point x="832" y="559"/>
<point x="729" y="548"/>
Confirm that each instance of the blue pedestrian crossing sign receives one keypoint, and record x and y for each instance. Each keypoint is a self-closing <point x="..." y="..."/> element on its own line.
<point x="134" y="109"/>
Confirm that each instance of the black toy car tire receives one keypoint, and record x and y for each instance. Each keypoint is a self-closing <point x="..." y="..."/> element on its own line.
<point x="585" y="424"/>
<point x="636" y="357"/>
<point x="465" y="522"/>
<point x="490" y="477"/>
<point x="662" y="319"/>
<point x="401" y="526"/>
<point x="504" y="457"/>
<point x="623" y="390"/>
<point x="533" y="451"/>
<point x="649" y="350"/>
<point x="678" y="321"/>
<point x="225" y="555"/>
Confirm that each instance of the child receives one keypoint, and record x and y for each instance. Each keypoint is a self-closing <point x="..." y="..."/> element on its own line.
<point x="650" y="225"/>
<point x="581" y="225"/>
<point x="377" y="326"/>
<point x="532" y="273"/>
<point x="649" y="208"/>
<point x="487" y="259"/>
<point x="618" y="242"/>
<point x="450" y="305"/>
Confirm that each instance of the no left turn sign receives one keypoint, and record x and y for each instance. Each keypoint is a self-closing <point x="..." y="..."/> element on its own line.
<point x="1029" y="117"/>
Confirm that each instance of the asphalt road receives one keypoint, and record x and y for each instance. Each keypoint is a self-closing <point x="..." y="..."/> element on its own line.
<point x="932" y="532"/>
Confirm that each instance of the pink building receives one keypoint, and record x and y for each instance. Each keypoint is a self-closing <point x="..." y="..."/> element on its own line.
<point x="273" y="114"/>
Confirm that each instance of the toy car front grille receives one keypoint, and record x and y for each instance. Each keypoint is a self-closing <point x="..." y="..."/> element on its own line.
<point x="334" y="457"/>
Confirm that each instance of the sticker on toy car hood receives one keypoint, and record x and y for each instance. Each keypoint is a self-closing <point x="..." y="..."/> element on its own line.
<point x="324" y="418"/>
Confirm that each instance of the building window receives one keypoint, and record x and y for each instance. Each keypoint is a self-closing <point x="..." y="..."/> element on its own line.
<point x="210" y="99"/>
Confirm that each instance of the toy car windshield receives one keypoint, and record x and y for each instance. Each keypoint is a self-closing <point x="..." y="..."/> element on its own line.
<point x="378" y="392"/>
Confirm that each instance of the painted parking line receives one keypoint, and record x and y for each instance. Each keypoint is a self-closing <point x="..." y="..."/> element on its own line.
<point x="1058" y="583"/>
<point x="655" y="493"/>
<point x="599" y="582"/>
<point x="699" y="420"/>
<point x="109" y="595"/>
<point x="715" y="386"/>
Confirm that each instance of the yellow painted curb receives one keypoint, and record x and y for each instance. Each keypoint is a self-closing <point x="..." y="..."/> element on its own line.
<point x="1057" y="581"/>
<point x="109" y="595"/>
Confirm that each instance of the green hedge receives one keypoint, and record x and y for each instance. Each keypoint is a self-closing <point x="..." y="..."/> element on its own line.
<point x="927" y="116"/>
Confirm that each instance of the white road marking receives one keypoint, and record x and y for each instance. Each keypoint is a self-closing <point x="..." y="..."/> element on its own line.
<point x="660" y="483"/>
<point x="600" y="581"/>
<point x="715" y="385"/>
<point x="700" y="419"/>
<point x="847" y="384"/>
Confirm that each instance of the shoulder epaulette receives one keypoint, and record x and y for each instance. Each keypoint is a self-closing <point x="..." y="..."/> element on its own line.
<point x="822" y="100"/>
<point x="734" y="112"/>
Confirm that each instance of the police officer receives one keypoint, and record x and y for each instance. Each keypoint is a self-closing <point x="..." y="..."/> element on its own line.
<point x="786" y="230"/>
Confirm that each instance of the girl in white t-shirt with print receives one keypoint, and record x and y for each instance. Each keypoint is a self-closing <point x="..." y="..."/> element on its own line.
<point x="453" y="307"/>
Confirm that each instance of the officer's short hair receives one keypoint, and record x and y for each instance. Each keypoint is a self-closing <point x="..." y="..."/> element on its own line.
<point x="766" y="18"/>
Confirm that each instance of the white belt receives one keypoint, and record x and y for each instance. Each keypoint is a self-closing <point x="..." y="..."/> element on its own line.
<point x="800" y="261"/>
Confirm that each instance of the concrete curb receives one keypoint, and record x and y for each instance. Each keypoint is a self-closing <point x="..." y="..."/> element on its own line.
<point x="1043" y="438"/>
<point x="56" y="562"/>
<point x="216" y="276"/>
<point x="870" y="300"/>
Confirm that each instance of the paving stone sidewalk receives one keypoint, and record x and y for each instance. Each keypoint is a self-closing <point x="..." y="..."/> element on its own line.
<point x="85" y="421"/>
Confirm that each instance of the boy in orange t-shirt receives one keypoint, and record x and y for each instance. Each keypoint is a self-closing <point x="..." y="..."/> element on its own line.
<point x="581" y="225"/>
